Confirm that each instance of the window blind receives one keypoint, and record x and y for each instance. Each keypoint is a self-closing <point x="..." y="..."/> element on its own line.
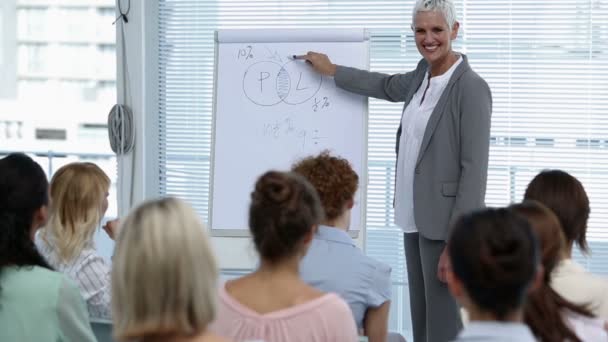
<point x="185" y="92"/>
<point x="546" y="63"/>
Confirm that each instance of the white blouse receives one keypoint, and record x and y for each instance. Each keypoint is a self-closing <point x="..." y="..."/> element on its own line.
<point x="573" y="282"/>
<point x="413" y="125"/>
<point x="586" y="328"/>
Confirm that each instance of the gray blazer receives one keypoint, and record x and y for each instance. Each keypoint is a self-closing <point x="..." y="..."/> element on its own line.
<point x="451" y="171"/>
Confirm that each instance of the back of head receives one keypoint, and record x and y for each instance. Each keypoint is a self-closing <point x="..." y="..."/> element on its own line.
<point x="546" y="226"/>
<point x="545" y="307"/>
<point x="495" y="255"/>
<point x="164" y="274"/>
<point x="78" y="191"/>
<point x="284" y="209"/>
<point x="23" y="191"/>
<point x="333" y="178"/>
<point x="445" y="7"/>
<point x="566" y="197"/>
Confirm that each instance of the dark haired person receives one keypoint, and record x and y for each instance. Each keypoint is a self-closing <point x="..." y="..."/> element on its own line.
<point x="494" y="260"/>
<point x="549" y="315"/>
<point x="273" y="304"/>
<point x="566" y="197"/>
<point x="333" y="262"/>
<point x="36" y="303"/>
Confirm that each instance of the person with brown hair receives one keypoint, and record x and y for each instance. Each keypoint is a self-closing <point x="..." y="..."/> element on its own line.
<point x="549" y="315"/>
<point x="566" y="197"/>
<point x="494" y="259"/>
<point x="333" y="262"/>
<point x="273" y="303"/>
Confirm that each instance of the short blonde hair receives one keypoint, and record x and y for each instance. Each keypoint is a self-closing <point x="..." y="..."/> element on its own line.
<point x="164" y="275"/>
<point x="77" y="192"/>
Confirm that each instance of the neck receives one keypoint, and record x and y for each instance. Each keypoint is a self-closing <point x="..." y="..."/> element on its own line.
<point x="342" y="222"/>
<point x="288" y="267"/>
<point x="441" y="67"/>
<point x="484" y="316"/>
<point x="175" y="337"/>
<point x="568" y="251"/>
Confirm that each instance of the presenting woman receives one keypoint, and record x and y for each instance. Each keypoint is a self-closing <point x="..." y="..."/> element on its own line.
<point x="442" y="155"/>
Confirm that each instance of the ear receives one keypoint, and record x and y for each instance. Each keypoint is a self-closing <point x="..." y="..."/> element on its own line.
<point x="310" y="235"/>
<point x="350" y="204"/>
<point x="454" y="32"/>
<point x="41" y="215"/>
<point x="454" y="284"/>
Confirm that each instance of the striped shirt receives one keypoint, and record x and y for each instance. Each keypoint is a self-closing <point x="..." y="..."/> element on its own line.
<point x="89" y="271"/>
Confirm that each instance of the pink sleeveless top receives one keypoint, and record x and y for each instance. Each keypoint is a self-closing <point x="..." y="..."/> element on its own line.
<point x="324" y="319"/>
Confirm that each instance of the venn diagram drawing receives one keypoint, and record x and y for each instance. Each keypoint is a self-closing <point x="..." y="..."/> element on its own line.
<point x="269" y="83"/>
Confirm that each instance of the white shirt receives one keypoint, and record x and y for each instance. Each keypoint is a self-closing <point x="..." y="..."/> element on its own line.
<point x="495" y="331"/>
<point x="90" y="272"/>
<point x="413" y="125"/>
<point x="586" y="328"/>
<point x="573" y="282"/>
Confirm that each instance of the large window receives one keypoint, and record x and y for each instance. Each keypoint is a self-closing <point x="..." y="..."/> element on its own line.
<point x="58" y="83"/>
<point x="546" y="62"/>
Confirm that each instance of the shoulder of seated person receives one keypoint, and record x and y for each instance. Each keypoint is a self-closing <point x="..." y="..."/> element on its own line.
<point x="337" y="305"/>
<point x="309" y="294"/>
<point x="381" y="267"/>
<point x="46" y="274"/>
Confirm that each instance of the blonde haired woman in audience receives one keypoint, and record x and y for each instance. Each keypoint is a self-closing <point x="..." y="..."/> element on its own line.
<point x="273" y="303"/>
<point x="164" y="276"/>
<point x="79" y="201"/>
<point x="36" y="304"/>
<point x="550" y="316"/>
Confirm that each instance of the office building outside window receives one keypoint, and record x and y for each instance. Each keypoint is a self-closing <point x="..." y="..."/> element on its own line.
<point x="58" y="83"/>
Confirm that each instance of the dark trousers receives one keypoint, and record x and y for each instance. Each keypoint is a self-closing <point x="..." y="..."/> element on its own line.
<point x="435" y="313"/>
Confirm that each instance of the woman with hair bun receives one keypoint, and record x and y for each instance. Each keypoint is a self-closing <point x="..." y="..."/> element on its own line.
<point x="273" y="303"/>
<point x="494" y="260"/>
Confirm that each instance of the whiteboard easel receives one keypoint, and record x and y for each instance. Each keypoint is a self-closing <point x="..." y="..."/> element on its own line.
<point x="270" y="111"/>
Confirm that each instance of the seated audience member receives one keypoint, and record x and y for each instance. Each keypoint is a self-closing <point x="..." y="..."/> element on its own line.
<point x="494" y="262"/>
<point x="36" y="304"/>
<point x="164" y="276"/>
<point x="78" y="203"/>
<point x="273" y="304"/>
<point x="566" y="197"/>
<point x="333" y="262"/>
<point x="549" y="315"/>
